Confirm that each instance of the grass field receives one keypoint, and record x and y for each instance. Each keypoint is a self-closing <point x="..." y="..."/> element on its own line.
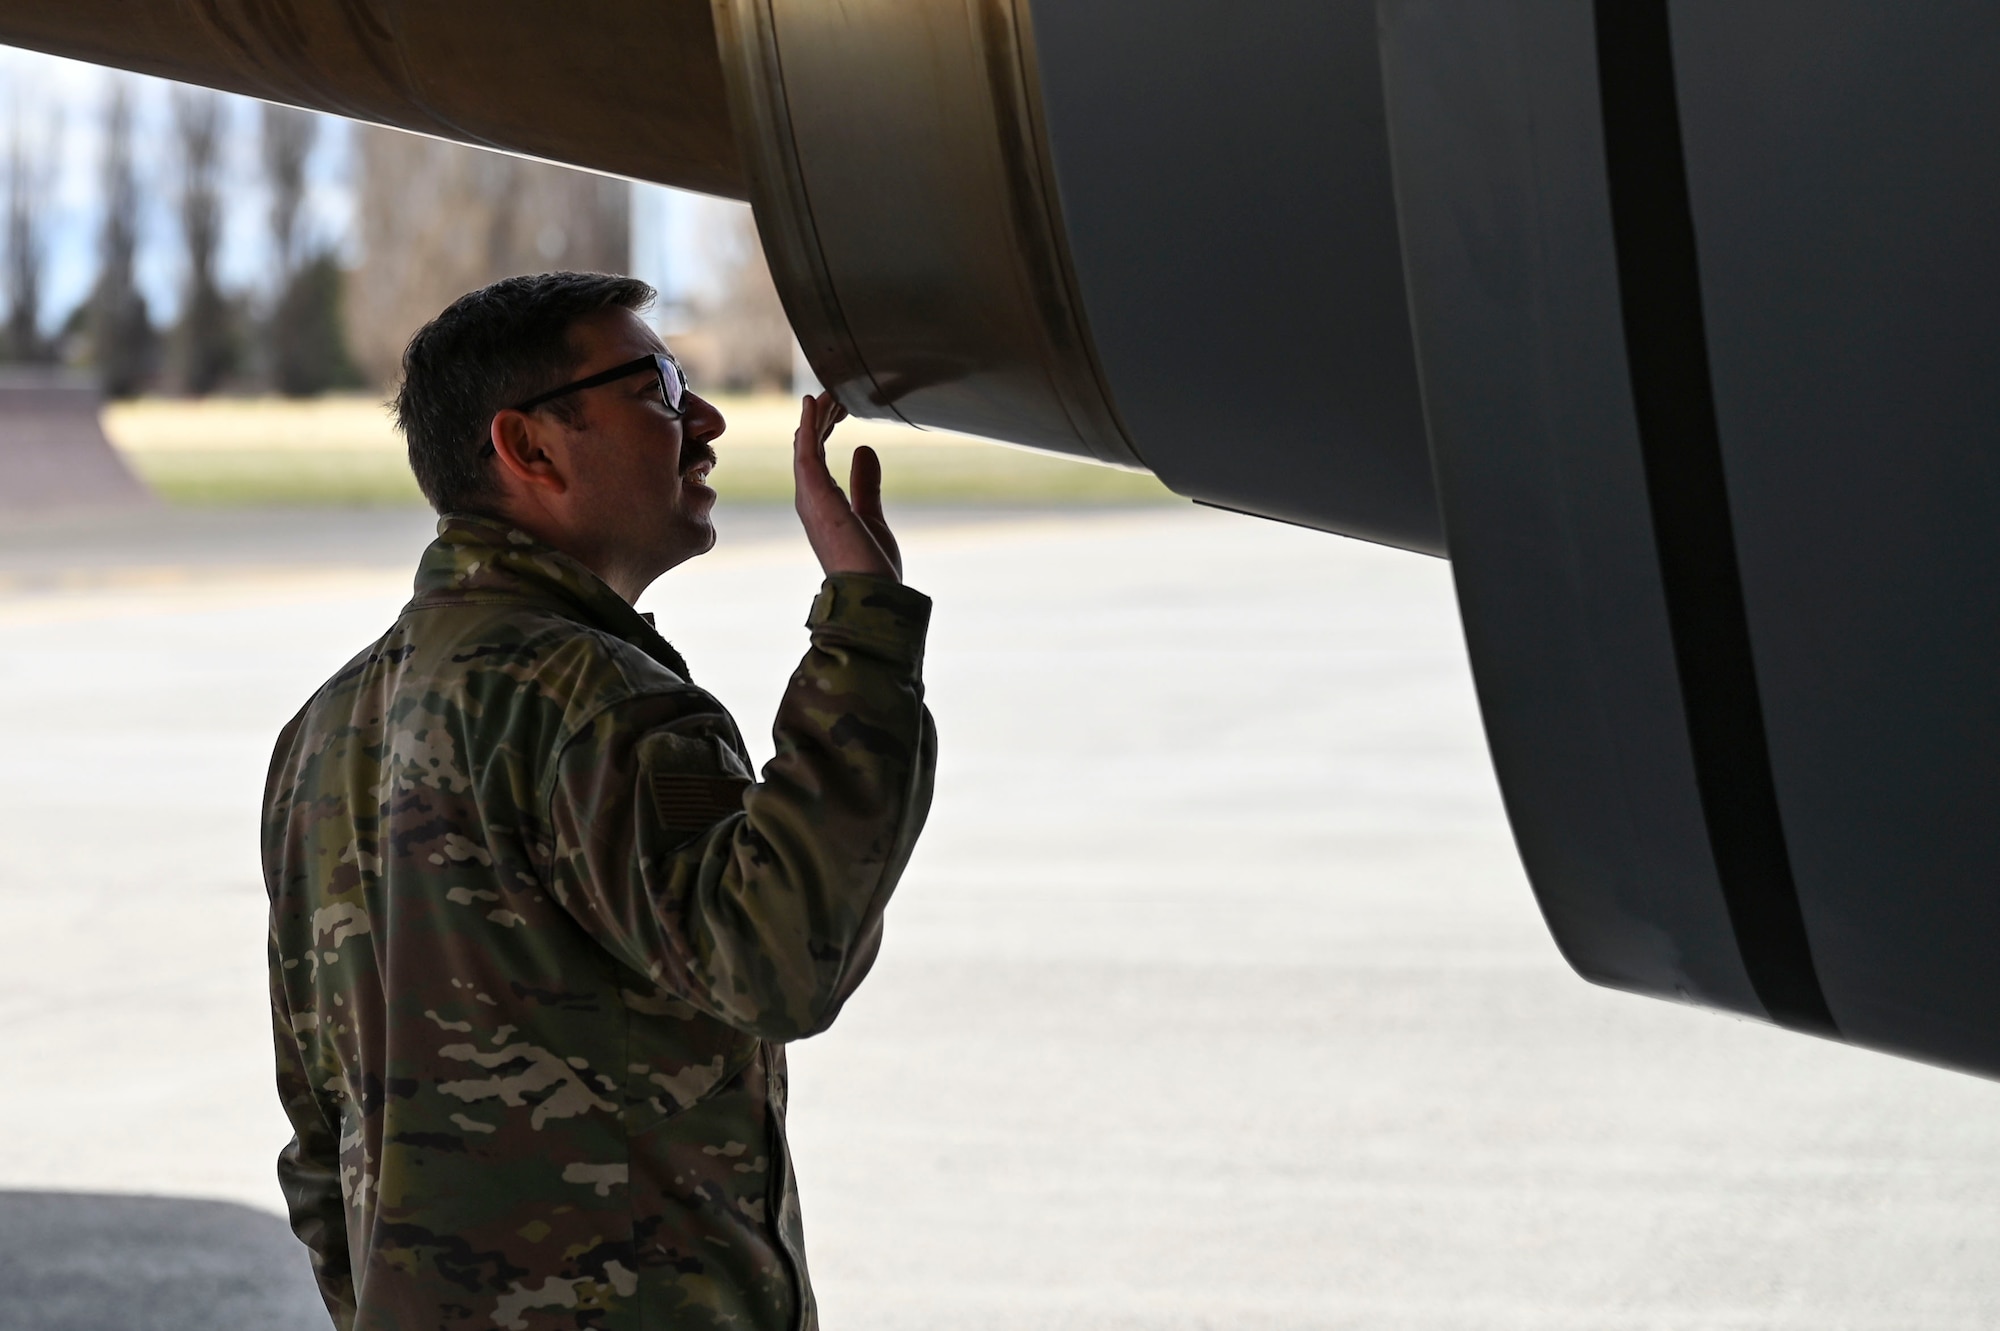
<point x="344" y="451"/>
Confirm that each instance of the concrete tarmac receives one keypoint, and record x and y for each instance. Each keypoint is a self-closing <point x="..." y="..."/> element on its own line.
<point x="1214" y="997"/>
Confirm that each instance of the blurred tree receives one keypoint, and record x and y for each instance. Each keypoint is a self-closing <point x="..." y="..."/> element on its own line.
<point x="313" y="355"/>
<point x="30" y="180"/>
<point x="437" y="219"/>
<point x="205" y="347"/>
<point x="306" y="342"/>
<point x="736" y="336"/>
<point x="121" y="338"/>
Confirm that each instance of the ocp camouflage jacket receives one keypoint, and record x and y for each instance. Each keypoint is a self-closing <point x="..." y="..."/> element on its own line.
<point x="538" y="938"/>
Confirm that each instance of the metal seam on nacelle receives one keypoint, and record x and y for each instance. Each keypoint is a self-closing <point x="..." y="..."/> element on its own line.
<point x="753" y="72"/>
<point x="1659" y="281"/>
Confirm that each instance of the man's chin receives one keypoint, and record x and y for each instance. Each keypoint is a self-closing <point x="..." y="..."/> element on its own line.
<point x="691" y="536"/>
<point x="700" y="529"/>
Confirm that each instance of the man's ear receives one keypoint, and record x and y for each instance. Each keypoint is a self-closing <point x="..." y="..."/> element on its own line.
<point x="522" y="442"/>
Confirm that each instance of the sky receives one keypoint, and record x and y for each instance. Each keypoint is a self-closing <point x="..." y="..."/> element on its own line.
<point x="60" y="105"/>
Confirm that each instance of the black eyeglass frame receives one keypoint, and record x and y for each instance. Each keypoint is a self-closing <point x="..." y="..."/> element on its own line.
<point x="662" y="363"/>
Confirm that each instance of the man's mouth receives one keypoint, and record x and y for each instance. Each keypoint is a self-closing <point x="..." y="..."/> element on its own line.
<point x="697" y="469"/>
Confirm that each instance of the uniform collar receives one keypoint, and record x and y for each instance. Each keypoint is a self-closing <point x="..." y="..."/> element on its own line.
<point x="476" y="558"/>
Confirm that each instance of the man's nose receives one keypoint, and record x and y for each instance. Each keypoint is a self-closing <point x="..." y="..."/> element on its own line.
<point x="700" y="420"/>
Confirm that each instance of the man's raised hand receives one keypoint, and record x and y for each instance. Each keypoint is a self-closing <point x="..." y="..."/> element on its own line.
<point x="847" y="537"/>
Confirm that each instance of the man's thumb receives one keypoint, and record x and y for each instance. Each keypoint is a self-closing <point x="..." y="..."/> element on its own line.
<point x="865" y="481"/>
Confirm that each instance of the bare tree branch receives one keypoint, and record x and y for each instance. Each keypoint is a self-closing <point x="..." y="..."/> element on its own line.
<point x="206" y="353"/>
<point x="288" y="136"/>
<point x="30" y="183"/>
<point x="121" y="331"/>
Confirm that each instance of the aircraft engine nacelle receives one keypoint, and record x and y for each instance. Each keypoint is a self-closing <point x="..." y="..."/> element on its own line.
<point x="1165" y="242"/>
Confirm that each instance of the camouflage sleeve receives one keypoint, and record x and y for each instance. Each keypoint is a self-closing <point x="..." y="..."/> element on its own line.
<point x="309" y="1168"/>
<point x="759" y="903"/>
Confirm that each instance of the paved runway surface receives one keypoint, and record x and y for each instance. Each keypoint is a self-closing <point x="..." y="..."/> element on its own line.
<point x="1213" y="998"/>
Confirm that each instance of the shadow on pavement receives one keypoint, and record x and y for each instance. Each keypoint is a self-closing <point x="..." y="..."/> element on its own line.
<point x="90" y="1262"/>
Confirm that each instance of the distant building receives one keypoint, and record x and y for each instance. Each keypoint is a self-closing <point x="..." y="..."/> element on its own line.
<point x="437" y="219"/>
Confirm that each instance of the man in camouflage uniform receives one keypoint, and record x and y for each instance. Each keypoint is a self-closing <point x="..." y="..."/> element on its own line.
<point x="538" y="936"/>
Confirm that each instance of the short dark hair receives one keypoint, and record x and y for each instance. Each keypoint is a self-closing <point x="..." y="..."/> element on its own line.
<point x="498" y="345"/>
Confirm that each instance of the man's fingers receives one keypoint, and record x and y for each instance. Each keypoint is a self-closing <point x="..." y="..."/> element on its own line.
<point x="831" y="414"/>
<point x="809" y="446"/>
<point x="848" y="537"/>
<point x="817" y="417"/>
<point x="806" y="437"/>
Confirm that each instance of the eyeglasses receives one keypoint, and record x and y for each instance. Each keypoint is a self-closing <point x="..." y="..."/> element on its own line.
<point x="673" y="382"/>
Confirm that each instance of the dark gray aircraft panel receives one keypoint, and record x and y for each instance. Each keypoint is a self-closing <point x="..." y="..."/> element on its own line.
<point x="1703" y="301"/>
<point x="1514" y="282"/>
<point x="1224" y="177"/>
<point x="1843" y="161"/>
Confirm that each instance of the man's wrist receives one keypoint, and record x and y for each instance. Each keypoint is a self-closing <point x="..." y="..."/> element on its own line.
<point x="877" y="614"/>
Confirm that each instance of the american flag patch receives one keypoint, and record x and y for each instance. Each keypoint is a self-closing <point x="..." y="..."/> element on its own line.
<point x="692" y="802"/>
